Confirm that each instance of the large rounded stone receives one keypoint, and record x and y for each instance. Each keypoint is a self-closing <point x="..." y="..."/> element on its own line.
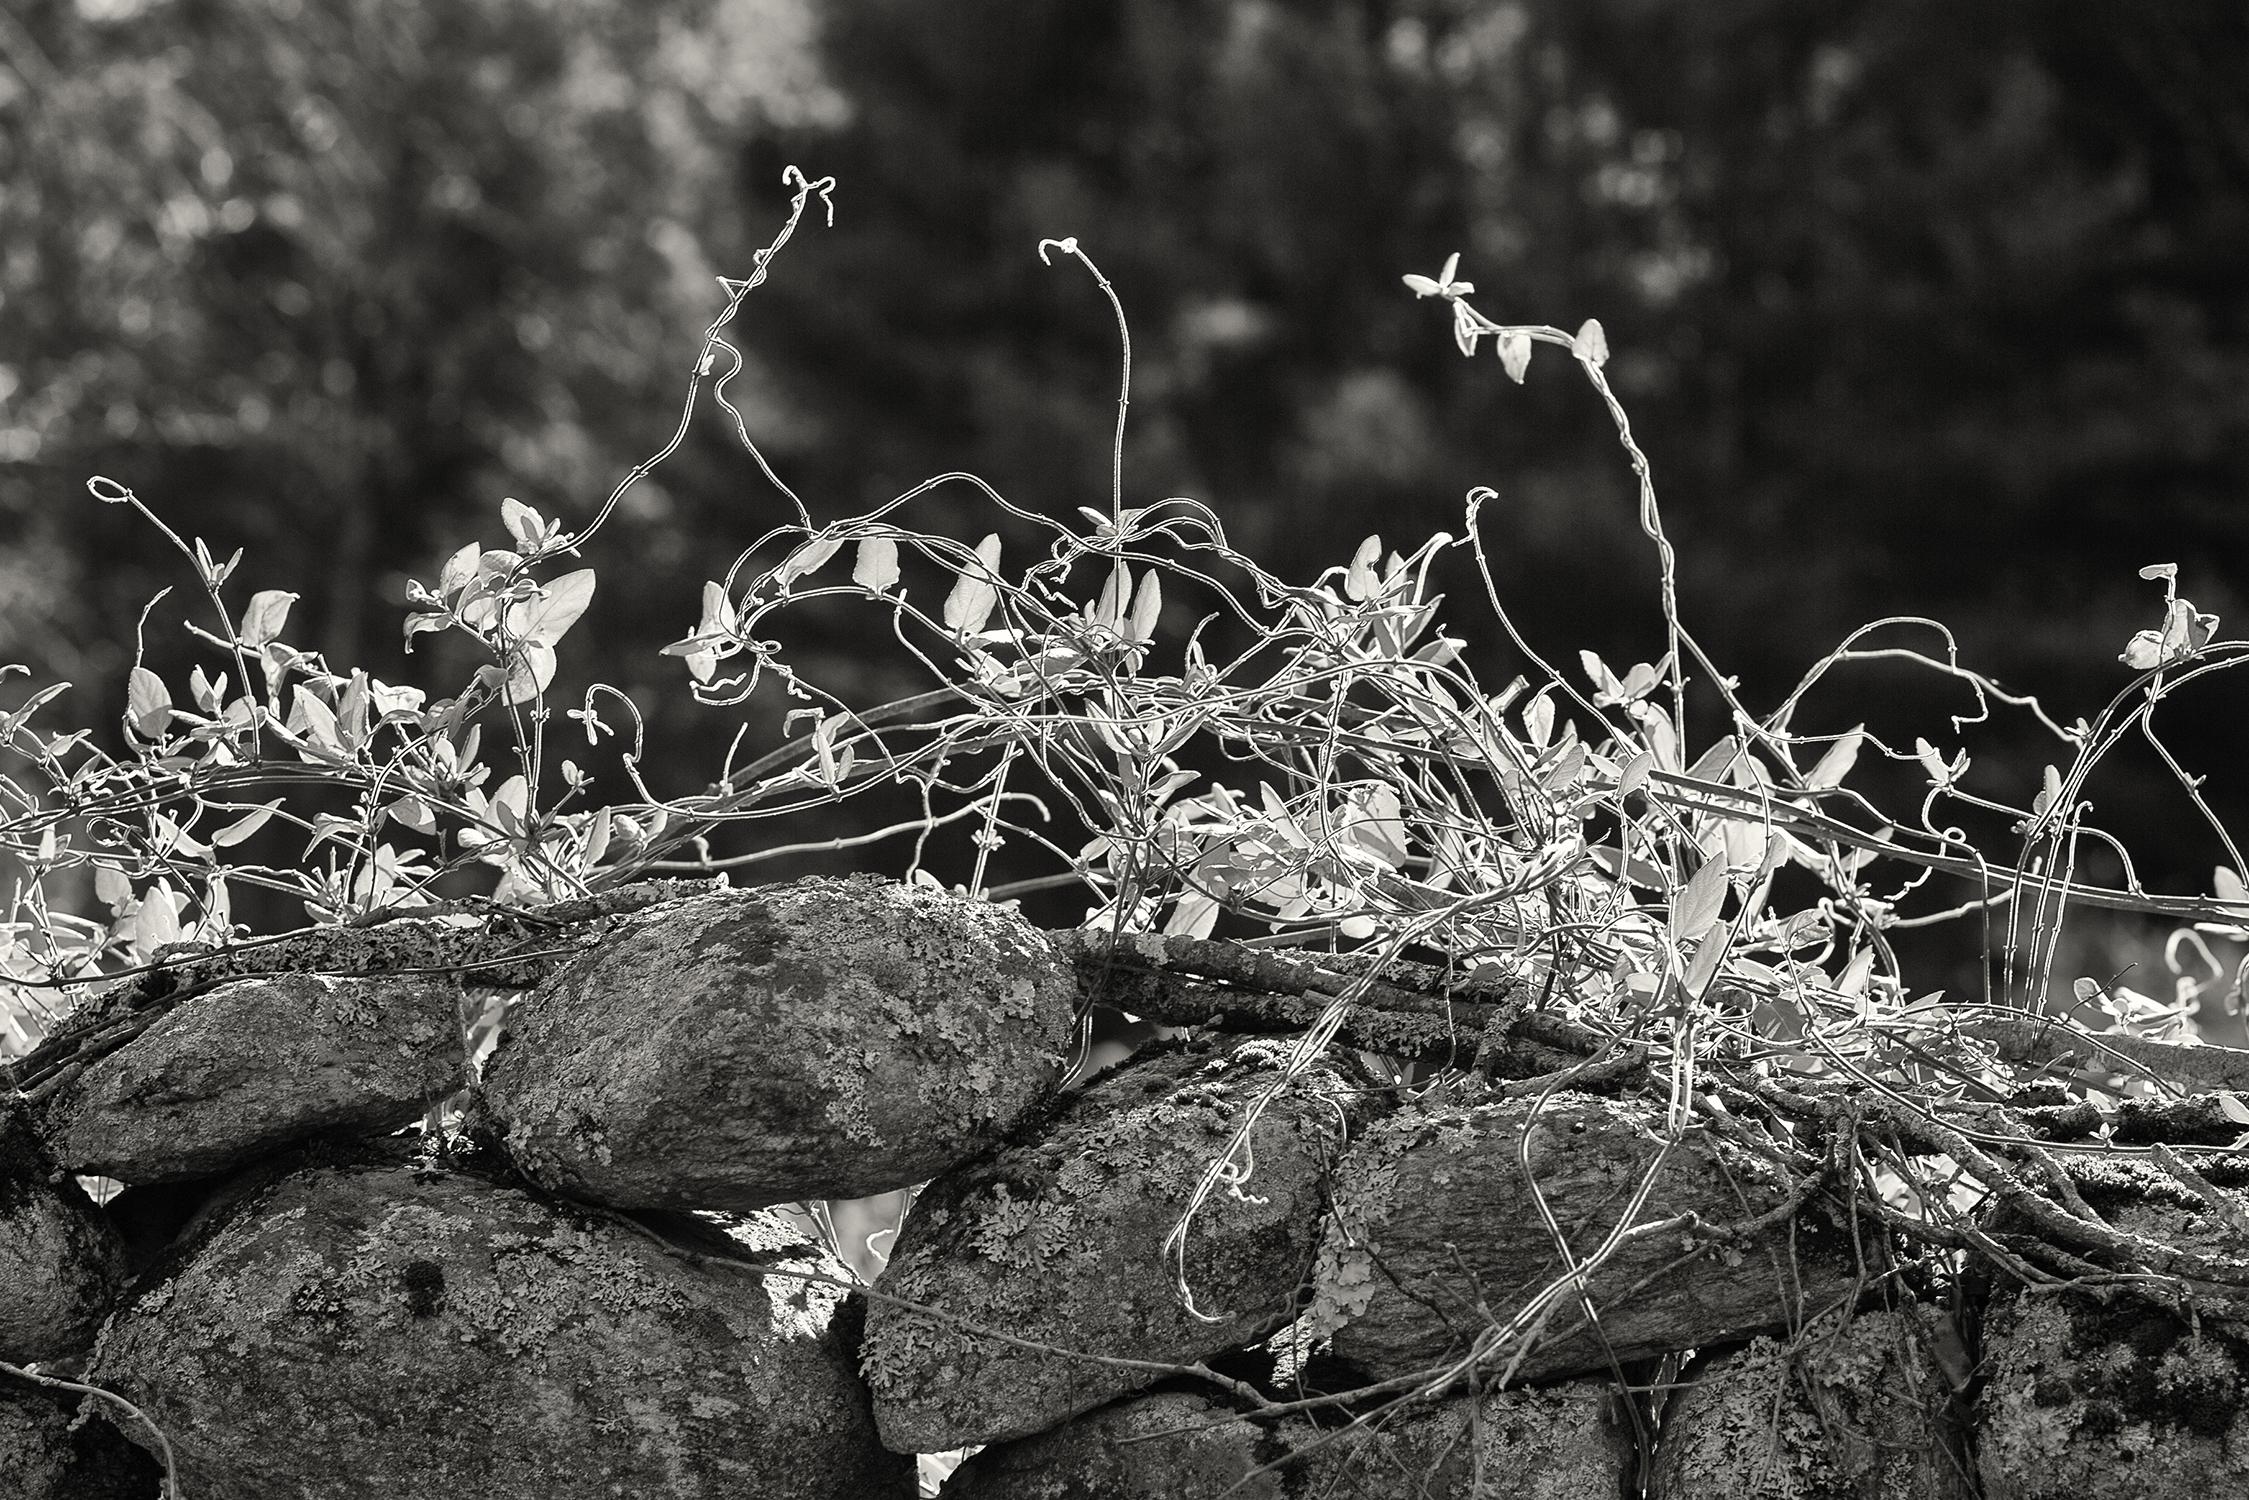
<point x="1560" y="1444"/>
<point x="826" y="1039"/>
<point x="60" y="1262"/>
<point x="47" y="1455"/>
<point x="256" y="1066"/>
<point x="1441" y="1240"/>
<point x="1060" y="1241"/>
<point x="2123" y="1399"/>
<point x="389" y="1329"/>
<point x="1844" y="1411"/>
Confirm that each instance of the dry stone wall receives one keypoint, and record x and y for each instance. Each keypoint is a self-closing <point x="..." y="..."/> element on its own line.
<point x="1219" y="1269"/>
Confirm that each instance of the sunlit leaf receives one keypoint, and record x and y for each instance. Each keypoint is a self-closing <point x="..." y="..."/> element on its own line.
<point x="876" y="568"/>
<point x="543" y="620"/>
<point x="1147" y="608"/>
<point x="1932" y="762"/>
<point x="1857" y="973"/>
<point x="1836" y="763"/>
<point x="1515" y="355"/>
<point x="1359" y="580"/>
<point x="975" y="593"/>
<point x="807" y="560"/>
<point x="1635" y="774"/>
<point x="1116" y="589"/>
<point x="1714" y="762"/>
<point x="148" y="703"/>
<point x="529" y="671"/>
<point x="1709" y="953"/>
<point x="242" y="827"/>
<point x="1591" y="344"/>
<point x="316" y="722"/>
<point x="459" y="569"/>
<point x="523" y="523"/>
<point x="1606" y="688"/>
<point x="112" y="887"/>
<point x="268" y="612"/>
<point x="413" y="813"/>
<point x="158" y="920"/>
<point x="1699" y="901"/>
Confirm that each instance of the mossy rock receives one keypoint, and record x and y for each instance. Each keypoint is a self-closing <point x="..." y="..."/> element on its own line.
<point x="1059" y="1241"/>
<point x="399" y="1329"/>
<point x="823" y="1039"/>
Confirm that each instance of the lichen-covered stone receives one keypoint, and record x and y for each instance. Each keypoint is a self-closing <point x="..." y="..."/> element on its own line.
<point x="60" y="1263"/>
<point x="393" y="1329"/>
<point x="1556" y="1443"/>
<point x="1059" y="1240"/>
<point x="1168" y="1446"/>
<point x="1561" y="1444"/>
<point x="2126" y="1398"/>
<point x="46" y="1455"/>
<point x="256" y="1065"/>
<point x="1438" y="1237"/>
<point x="1859" y="1411"/>
<point x="825" y="1039"/>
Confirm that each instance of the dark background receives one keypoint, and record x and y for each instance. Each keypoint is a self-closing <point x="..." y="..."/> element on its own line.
<point x="1918" y="308"/>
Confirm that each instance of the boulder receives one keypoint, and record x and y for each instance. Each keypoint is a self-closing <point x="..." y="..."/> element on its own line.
<point x="1560" y="1444"/>
<point x="255" y="1066"/>
<point x="377" y="1327"/>
<point x="1856" y="1410"/>
<point x="1165" y="1446"/>
<point x="60" y="1262"/>
<point x="825" y="1039"/>
<point x="1440" y="1240"/>
<point x="2126" y="1398"/>
<point x="1058" y="1240"/>
<point x="46" y="1455"/>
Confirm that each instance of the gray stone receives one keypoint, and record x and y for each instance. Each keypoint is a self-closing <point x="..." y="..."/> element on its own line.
<point x="1848" y="1411"/>
<point x="2123" y="1399"/>
<point x="255" y="1066"/>
<point x="1059" y="1241"/>
<point x="393" y="1329"/>
<point x="1559" y="1444"/>
<point x="1439" y="1241"/>
<point x="60" y="1262"/>
<point x="46" y="1455"/>
<point x="826" y="1039"/>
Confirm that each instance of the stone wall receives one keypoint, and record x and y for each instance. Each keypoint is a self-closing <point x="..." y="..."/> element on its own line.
<point x="1221" y="1268"/>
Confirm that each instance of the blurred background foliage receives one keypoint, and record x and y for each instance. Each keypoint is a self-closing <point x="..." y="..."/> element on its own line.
<point x="1918" y="308"/>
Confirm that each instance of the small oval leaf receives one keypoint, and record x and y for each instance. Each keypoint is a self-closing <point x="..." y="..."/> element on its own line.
<point x="877" y="566"/>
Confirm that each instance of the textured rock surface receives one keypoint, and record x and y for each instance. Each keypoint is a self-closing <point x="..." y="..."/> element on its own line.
<point x="1161" y="1447"/>
<point x="1438" y="1236"/>
<point x="41" y="1458"/>
<point x="2081" y="1399"/>
<point x="1060" y="1241"/>
<point x="1861" y="1412"/>
<point x="1560" y="1444"/>
<point x="826" y="1039"/>
<point x="60" y="1262"/>
<point x="257" y="1065"/>
<point x="386" y="1329"/>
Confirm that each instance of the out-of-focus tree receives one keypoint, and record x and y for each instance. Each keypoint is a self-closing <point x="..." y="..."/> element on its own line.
<point x="1916" y="306"/>
<point x="328" y="278"/>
